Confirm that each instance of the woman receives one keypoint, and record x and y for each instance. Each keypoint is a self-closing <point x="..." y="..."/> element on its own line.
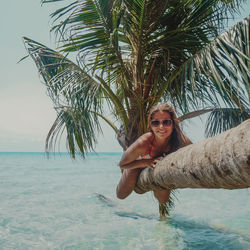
<point x="165" y="137"/>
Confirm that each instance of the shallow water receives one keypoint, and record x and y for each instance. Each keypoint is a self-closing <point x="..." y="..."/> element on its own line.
<point x="57" y="203"/>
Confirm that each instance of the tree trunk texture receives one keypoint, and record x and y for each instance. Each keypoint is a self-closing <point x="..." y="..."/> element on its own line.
<point x="222" y="161"/>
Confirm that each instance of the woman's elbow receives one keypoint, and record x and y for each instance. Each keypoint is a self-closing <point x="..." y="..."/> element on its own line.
<point x="121" y="164"/>
<point x="120" y="195"/>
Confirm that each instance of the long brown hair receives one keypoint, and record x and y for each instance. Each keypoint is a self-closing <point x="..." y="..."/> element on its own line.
<point x="178" y="139"/>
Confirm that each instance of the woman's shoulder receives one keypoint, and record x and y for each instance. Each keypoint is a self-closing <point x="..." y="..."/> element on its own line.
<point x="146" y="138"/>
<point x="144" y="141"/>
<point x="140" y="146"/>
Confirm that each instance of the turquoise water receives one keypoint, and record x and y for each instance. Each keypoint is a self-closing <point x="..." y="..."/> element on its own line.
<point x="53" y="204"/>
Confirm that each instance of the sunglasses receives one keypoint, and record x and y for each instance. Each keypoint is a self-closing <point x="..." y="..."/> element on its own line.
<point x="165" y="123"/>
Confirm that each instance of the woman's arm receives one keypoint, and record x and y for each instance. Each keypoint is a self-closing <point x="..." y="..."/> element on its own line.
<point x="138" y="164"/>
<point x="139" y="148"/>
<point x="132" y="166"/>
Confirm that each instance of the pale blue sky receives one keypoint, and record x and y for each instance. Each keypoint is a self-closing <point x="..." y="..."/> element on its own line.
<point x="26" y="113"/>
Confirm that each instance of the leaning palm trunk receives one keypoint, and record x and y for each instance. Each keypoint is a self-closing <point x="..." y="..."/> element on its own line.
<point x="222" y="161"/>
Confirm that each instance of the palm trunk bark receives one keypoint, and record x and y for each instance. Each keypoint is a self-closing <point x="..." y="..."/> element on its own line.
<point x="222" y="161"/>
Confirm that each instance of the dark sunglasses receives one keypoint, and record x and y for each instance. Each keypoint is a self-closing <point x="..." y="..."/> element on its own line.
<point x="165" y="123"/>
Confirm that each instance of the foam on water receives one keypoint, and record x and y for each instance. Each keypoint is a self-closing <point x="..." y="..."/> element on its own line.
<point x="64" y="204"/>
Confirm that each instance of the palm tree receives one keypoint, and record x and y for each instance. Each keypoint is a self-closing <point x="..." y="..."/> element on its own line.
<point x="132" y="54"/>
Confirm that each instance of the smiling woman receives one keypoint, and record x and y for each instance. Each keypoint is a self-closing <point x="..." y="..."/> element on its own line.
<point x="162" y="126"/>
<point x="164" y="137"/>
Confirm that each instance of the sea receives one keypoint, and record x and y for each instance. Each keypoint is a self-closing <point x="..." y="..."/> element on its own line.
<point x="57" y="202"/>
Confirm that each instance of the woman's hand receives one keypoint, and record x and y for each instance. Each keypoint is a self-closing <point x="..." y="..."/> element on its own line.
<point x="142" y="163"/>
<point x="154" y="162"/>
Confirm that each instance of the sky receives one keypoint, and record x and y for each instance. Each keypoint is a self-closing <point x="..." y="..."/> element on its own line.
<point x="26" y="112"/>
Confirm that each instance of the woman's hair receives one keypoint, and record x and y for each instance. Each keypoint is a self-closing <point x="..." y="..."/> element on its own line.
<point x="178" y="139"/>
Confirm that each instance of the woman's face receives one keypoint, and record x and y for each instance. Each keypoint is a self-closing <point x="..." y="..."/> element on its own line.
<point x="162" y="125"/>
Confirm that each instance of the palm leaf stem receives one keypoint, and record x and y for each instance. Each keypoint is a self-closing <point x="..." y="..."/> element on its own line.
<point x="111" y="124"/>
<point x="149" y="80"/>
<point x="112" y="33"/>
<point x="124" y="69"/>
<point x="139" y="60"/>
<point x="115" y="100"/>
<point x="194" y="114"/>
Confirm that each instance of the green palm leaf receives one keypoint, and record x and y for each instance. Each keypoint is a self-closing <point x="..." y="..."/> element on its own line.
<point x="74" y="94"/>
<point x="221" y="68"/>
<point x="221" y="120"/>
<point x="80" y="130"/>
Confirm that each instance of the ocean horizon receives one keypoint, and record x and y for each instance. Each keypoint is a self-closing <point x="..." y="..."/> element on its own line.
<point x="62" y="203"/>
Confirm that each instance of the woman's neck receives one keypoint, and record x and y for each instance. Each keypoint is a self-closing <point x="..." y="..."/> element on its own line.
<point x="162" y="143"/>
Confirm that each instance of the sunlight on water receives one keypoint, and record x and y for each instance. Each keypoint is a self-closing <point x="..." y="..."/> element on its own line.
<point x="64" y="204"/>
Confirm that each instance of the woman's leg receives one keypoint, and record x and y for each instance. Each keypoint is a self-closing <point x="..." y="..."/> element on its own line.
<point x="127" y="182"/>
<point x="162" y="195"/>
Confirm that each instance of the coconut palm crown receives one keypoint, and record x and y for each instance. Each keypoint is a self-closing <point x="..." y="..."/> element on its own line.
<point x="132" y="54"/>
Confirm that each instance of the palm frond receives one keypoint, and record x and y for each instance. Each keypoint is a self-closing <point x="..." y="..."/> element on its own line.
<point x="90" y="27"/>
<point x="219" y="69"/>
<point x="73" y="91"/>
<point x="223" y="119"/>
<point x="80" y="129"/>
<point x="67" y="83"/>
